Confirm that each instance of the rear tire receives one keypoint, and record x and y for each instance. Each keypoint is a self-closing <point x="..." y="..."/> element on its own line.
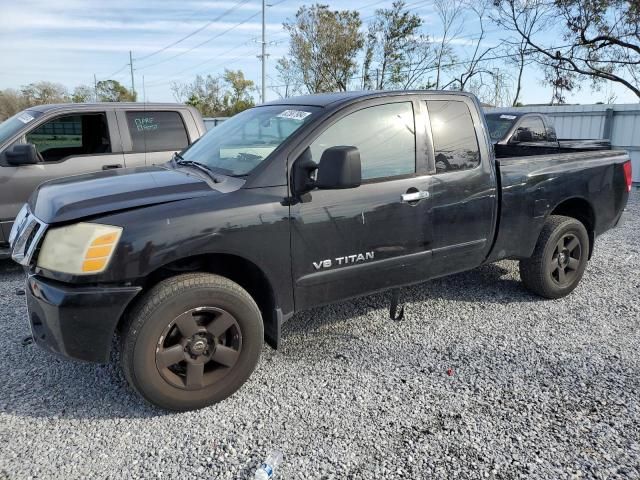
<point x="191" y="341"/>
<point x="559" y="259"/>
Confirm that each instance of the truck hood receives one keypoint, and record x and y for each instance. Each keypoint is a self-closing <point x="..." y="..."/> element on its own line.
<point x="80" y="196"/>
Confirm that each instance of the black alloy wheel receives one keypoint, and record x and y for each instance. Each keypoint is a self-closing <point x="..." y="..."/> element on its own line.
<point x="559" y="258"/>
<point x="191" y="340"/>
<point x="198" y="348"/>
<point x="564" y="263"/>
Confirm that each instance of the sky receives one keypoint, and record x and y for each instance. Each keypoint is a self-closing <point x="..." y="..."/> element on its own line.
<point x="70" y="41"/>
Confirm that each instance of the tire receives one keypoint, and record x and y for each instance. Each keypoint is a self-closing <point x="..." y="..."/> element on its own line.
<point x="191" y="341"/>
<point x="559" y="259"/>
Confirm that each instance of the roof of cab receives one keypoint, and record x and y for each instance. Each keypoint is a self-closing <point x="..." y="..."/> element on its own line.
<point x="332" y="99"/>
<point x="107" y="106"/>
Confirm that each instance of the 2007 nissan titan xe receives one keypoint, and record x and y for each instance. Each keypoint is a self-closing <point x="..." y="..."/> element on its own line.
<point x="290" y="205"/>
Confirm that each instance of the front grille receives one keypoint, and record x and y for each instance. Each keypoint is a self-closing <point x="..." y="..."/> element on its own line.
<point x="25" y="236"/>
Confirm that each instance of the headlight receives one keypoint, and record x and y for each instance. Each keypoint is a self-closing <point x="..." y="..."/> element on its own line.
<point x="80" y="249"/>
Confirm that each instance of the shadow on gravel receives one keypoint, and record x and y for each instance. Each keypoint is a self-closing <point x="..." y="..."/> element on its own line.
<point x="9" y="266"/>
<point x="43" y="385"/>
<point x="484" y="284"/>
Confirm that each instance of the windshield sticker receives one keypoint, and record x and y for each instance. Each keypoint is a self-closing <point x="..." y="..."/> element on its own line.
<point x="25" y="118"/>
<point x="294" y="114"/>
<point x="508" y="117"/>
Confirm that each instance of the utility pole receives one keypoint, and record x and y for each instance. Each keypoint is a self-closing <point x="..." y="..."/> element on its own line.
<point x="95" y="88"/>
<point x="263" y="57"/>
<point x="133" y="88"/>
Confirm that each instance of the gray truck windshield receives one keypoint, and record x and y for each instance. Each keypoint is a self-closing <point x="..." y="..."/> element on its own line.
<point x="499" y="124"/>
<point x="13" y="125"/>
<point x="241" y="143"/>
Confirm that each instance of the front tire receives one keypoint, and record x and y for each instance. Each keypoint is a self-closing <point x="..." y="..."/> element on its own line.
<point x="191" y="341"/>
<point x="559" y="259"/>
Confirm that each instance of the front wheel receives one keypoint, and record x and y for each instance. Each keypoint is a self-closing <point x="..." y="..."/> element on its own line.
<point x="559" y="259"/>
<point x="191" y="341"/>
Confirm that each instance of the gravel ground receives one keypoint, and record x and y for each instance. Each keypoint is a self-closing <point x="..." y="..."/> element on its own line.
<point x="480" y="380"/>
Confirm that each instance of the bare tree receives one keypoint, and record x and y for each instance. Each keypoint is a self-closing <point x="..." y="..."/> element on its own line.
<point x="533" y="17"/>
<point x="601" y="38"/>
<point x="449" y="12"/>
<point x="11" y="102"/>
<point x="475" y="64"/>
<point x="288" y="79"/>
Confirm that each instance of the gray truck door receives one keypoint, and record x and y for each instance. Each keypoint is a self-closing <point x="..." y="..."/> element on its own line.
<point x="69" y="144"/>
<point x="152" y="136"/>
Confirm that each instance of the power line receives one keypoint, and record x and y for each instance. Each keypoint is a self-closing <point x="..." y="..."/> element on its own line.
<point x="166" y="82"/>
<point x="202" y="43"/>
<point x="196" y="31"/>
<point x="251" y="17"/>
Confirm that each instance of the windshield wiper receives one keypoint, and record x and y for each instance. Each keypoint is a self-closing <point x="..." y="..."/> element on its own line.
<point x="191" y="163"/>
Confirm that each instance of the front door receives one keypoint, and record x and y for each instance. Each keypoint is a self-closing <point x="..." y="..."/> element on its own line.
<point x="350" y="242"/>
<point x="68" y="145"/>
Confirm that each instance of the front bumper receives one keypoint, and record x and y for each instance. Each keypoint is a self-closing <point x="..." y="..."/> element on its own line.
<point x="74" y="321"/>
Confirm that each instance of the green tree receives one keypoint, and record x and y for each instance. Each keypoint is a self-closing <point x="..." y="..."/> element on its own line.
<point x="113" y="91"/>
<point x="204" y="93"/>
<point x="83" y="94"/>
<point x="40" y="93"/>
<point x="324" y="45"/>
<point x="216" y="96"/>
<point x="392" y="40"/>
<point x="237" y="97"/>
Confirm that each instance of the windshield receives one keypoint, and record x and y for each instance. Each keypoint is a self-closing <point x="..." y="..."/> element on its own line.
<point x="241" y="143"/>
<point x="12" y="125"/>
<point x="499" y="124"/>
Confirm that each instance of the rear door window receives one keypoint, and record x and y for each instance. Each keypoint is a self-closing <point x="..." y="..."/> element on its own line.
<point x="157" y="131"/>
<point x="454" y="137"/>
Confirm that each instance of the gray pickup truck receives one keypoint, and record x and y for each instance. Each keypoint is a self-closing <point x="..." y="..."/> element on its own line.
<point x="52" y="141"/>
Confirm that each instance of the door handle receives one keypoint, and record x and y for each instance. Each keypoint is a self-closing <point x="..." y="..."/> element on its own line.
<point x="112" y="166"/>
<point x="415" y="196"/>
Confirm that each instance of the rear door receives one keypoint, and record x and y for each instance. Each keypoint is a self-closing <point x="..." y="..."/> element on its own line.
<point x="354" y="241"/>
<point x="463" y="207"/>
<point x="69" y="144"/>
<point x="152" y="136"/>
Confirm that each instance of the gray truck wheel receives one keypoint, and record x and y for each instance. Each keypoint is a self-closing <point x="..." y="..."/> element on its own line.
<point x="191" y="341"/>
<point x="559" y="258"/>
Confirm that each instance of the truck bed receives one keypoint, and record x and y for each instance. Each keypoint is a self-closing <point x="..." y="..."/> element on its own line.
<point x="533" y="187"/>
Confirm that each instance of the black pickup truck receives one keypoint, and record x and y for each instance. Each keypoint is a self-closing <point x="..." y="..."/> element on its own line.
<point x="518" y="134"/>
<point x="286" y="206"/>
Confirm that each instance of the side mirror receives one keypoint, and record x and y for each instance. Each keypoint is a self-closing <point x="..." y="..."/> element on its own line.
<point x="339" y="167"/>
<point x="23" y="154"/>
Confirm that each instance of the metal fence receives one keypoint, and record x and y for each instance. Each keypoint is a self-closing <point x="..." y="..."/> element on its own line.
<point x="618" y="123"/>
<point x="210" y="122"/>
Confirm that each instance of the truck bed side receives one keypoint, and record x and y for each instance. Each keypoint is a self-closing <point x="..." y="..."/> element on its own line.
<point x="587" y="185"/>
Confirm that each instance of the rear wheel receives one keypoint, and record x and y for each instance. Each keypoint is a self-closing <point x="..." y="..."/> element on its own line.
<point x="559" y="259"/>
<point x="191" y="341"/>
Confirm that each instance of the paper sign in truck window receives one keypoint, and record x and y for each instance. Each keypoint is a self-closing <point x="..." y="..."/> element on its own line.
<point x="294" y="114"/>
